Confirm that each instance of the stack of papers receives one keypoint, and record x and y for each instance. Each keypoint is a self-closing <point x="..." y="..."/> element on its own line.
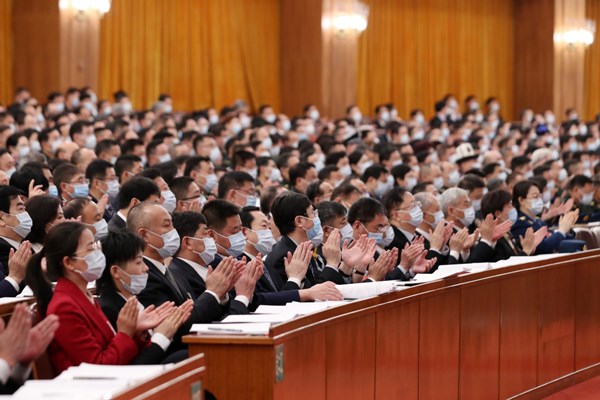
<point x="368" y="289"/>
<point x="88" y="381"/>
<point x="257" y="328"/>
<point x="270" y="318"/>
<point x="299" y="308"/>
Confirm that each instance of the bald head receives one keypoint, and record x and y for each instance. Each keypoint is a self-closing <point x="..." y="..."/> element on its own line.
<point x="148" y="215"/>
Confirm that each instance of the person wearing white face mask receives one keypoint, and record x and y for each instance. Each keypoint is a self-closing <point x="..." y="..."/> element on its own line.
<point x="476" y="188"/>
<point x="154" y="225"/>
<point x="457" y="209"/>
<point x="202" y="170"/>
<point x="125" y="276"/>
<point x="301" y="231"/>
<point x="581" y="189"/>
<point x="377" y="180"/>
<point x="499" y="203"/>
<point x="15" y="225"/>
<point x="192" y="262"/>
<point x="405" y="215"/>
<point x="89" y="214"/>
<point x="238" y="188"/>
<point x="433" y="229"/>
<point x="103" y="182"/>
<point x="527" y="199"/>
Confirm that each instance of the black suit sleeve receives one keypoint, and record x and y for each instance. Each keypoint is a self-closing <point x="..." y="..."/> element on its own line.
<point x="482" y="252"/>
<point x="152" y="354"/>
<point x="395" y="275"/>
<point x="331" y="275"/>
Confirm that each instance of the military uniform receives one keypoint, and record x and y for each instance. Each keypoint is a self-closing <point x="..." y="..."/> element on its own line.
<point x="549" y="245"/>
<point x="588" y="213"/>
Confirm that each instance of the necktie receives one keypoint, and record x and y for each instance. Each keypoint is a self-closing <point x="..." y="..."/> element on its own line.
<point x="268" y="276"/>
<point x="173" y="283"/>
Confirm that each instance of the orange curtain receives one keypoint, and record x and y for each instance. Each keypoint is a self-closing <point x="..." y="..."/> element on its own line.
<point x="592" y="62"/>
<point x="203" y="53"/>
<point x="6" y="56"/>
<point x="416" y="51"/>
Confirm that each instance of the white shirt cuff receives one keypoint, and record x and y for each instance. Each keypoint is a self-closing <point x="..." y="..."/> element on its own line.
<point x="161" y="340"/>
<point x="296" y="281"/>
<point x="4" y="371"/>
<point x="242" y="299"/>
<point x="455" y="254"/>
<point x="13" y="283"/>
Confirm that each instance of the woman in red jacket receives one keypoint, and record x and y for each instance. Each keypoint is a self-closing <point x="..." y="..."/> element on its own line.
<point x="73" y="259"/>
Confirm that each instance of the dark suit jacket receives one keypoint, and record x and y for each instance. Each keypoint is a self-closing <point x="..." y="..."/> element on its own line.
<point x="84" y="334"/>
<point x="116" y="224"/>
<point x="159" y="290"/>
<point x="399" y="242"/>
<point x="276" y="266"/>
<point x="504" y="250"/>
<point x="111" y="303"/>
<point x="328" y="274"/>
<point x="184" y="272"/>
<point x="4" y="252"/>
<point x="264" y="293"/>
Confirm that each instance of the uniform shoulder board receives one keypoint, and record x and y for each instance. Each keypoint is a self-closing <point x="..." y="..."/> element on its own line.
<point x="586" y="218"/>
<point x="523" y="218"/>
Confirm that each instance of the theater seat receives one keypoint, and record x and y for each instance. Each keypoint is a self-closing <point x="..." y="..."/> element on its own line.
<point x="571" y="246"/>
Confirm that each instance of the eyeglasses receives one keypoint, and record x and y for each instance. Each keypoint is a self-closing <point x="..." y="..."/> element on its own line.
<point x="412" y="205"/>
<point x="315" y="214"/>
<point x="378" y="228"/>
<point x="247" y="193"/>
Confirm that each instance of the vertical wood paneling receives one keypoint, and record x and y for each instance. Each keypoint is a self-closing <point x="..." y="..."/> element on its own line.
<point x="36" y="46"/>
<point x="6" y="52"/>
<point x="301" y="55"/>
<point x="518" y="334"/>
<point x="351" y="359"/>
<point x="587" y="315"/>
<point x="556" y="324"/>
<point x="439" y="331"/>
<point x="534" y="55"/>
<point x="592" y="61"/>
<point x="416" y="51"/>
<point x="479" y="341"/>
<point x="397" y="360"/>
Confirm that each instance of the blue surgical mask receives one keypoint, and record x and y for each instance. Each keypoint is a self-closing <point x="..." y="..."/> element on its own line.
<point x="53" y="191"/>
<point x="315" y="234"/>
<point x="512" y="215"/>
<point x="80" y="190"/>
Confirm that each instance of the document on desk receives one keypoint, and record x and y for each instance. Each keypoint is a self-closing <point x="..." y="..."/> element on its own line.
<point x="368" y="289"/>
<point x="258" y="328"/>
<point x="517" y="260"/>
<point x="269" y="318"/>
<point x="443" y="271"/>
<point x="69" y="390"/>
<point x="8" y="300"/>
<point x="130" y="373"/>
<point x="299" y="308"/>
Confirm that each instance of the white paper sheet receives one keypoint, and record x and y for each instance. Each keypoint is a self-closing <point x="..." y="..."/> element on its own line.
<point x="250" y="318"/>
<point x="259" y="328"/>
<point x="367" y="289"/>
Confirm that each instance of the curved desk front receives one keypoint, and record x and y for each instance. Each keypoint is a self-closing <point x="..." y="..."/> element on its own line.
<point x="487" y="335"/>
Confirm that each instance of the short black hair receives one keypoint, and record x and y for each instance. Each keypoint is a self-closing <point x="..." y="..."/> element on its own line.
<point x="217" y="211"/>
<point x="97" y="169"/>
<point x="105" y="145"/>
<point x="180" y="186"/>
<point x="365" y="210"/>
<point x="63" y="174"/>
<point x="393" y="198"/>
<point x="313" y="190"/>
<point x="125" y="163"/>
<point x="247" y="217"/>
<point x="520" y="190"/>
<point x="286" y="207"/>
<point x="187" y="223"/>
<point x="495" y="201"/>
<point x="41" y="209"/>
<point x="193" y="163"/>
<point x="329" y="210"/>
<point x="233" y="180"/>
<point x="241" y="156"/>
<point x="22" y="177"/>
<point x="299" y="171"/>
<point x="471" y="182"/>
<point x="578" y="181"/>
<point x="374" y="171"/>
<point x="74" y="208"/>
<point x="118" y="247"/>
<point x="140" y="188"/>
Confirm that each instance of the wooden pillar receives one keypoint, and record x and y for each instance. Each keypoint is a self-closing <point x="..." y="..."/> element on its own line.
<point x="54" y="48"/>
<point x="548" y="73"/>
<point x="318" y="65"/>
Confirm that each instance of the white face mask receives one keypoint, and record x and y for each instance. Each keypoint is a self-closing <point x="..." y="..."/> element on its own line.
<point x="237" y="242"/>
<point x="382" y="188"/>
<point x="265" y="242"/>
<point x="364" y="165"/>
<point x="90" y="141"/>
<point x="438" y="182"/>
<point x="346" y="170"/>
<point x="101" y="228"/>
<point x="315" y="234"/>
<point x="388" y="237"/>
<point x="275" y="175"/>
<point x="438" y="217"/>
<point x="138" y="283"/>
<point x="170" y="201"/>
<point x="476" y="204"/>
<point x="112" y="188"/>
<point x="587" y="198"/>
<point x="469" y="216"/>
<point x="453" y="178"/>
<point x="211" y="182"/>
<point x="25" y="224"/>
<point x="210" y="250"/>
<point x="411" y="183"/>
<point x="416" y="216"/>
<point x="347" y="233"/>
<point x="537" y="206"/>
<point x="170" y="243"/>
<point x="95" y="265"/>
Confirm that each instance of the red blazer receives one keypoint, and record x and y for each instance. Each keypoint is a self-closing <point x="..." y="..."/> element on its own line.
<point x="84" y="334"/>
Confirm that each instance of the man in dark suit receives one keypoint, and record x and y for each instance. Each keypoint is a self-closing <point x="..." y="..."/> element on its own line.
<point x="298" y="222"/>
<point x="103" y="181"/>
<point x="153" y="223"/>
<point x="15" y="224"/>
<point x="134" y="191"/>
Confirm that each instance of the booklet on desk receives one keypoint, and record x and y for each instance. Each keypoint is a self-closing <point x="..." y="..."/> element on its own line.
<point x="368" y="289"/>
<point x="252" y="328"/>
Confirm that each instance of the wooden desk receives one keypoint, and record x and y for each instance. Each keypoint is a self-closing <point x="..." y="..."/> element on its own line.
<point x="182" y="382"/>
<point x="488" y="335"/>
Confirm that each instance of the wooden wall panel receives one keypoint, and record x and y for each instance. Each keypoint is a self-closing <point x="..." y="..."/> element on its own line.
<point x="351" y="359"/>
<point x="36" y="46"/>
<point x="301" y="55"/>
<point x="300" y="382"/>
<point x="587" y="315"/>
<point x="534" y="55"/>
<point x="397" y="359"/>
<point x="6" y="52"/>
<point x="439" y="346"/>
<point x="479" y="341"/>
<point x="416" y="51"/>
<point x="556" y="319"/>
<point x="518" y="336"/>
<point x="592" y="61"/>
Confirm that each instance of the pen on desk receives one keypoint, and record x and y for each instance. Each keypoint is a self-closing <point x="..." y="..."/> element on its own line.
<point x="93" y="378"/>
<point x="224" y="329"/>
